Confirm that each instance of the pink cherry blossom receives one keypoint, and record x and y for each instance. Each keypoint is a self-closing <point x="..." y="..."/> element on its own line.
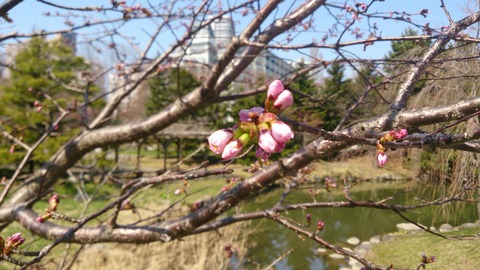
<point x="219" y="139"/>
<point x="12" y="242"/>
<point x="232" y="149"/>
<point x="40" y="219"/>
<point x="284" y="100"/>
<point x="280" y="147"/>
<point x="274" y="89"/>
<point x="262" y="154"/>
<point x="382" y="159"/>
<point x="266" y="141"/>
<point x="281" y="132"/>
<point x="400" y="134"/>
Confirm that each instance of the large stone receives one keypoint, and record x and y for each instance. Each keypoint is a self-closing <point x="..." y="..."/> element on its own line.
<point x="446" y="228"/>
<point x="321" y="250"/>
<point x="362" y="251"/>
<point x="366" y="244"/>
<point x="468" y="225"/>
<point x="358" y="267"/>
<point x="409" y="227"/>
<point x="353" y="241"/>
<point x="375" y="239"/>
<point x="387" y="237"/>
<point x="336" y="256"/>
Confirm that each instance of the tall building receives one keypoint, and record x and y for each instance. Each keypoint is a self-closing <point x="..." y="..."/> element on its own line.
<point x="8" y="58"/>
<point x="209" y="44"/>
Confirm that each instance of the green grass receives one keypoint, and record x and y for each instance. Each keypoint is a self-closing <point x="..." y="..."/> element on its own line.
<point x="406" y="251"/>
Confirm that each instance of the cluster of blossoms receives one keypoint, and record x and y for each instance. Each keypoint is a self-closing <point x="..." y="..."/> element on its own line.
<point x="38" y="106"/>
<point x="11" y="244"/>
<point x="320" y="224"/>
<point x="257" y="125"/>
<point x="389" y="137"/>
<point x="53" y="204"/>
<point x="329" y="184"/>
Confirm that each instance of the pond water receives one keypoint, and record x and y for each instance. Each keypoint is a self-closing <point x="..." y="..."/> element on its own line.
<point x="270" y="240"/>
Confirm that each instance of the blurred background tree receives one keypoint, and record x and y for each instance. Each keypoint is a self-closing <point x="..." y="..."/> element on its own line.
<point x="43" y="71"/>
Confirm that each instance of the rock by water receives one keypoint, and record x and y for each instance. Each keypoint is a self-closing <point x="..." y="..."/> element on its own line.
<point x="446" y="228"/>
<point x="353" y="241"/>
<point x="409" y="227"/>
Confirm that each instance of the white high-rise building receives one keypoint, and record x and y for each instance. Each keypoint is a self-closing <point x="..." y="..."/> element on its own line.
<point x="209" y="44"/>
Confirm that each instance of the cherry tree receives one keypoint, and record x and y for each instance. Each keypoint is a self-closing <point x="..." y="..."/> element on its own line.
<point x="336" y="29"/>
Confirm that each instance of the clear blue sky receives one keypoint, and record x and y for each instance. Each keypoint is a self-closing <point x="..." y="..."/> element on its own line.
<point x="29" y="15"/>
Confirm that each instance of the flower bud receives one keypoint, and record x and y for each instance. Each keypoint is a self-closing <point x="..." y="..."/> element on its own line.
<point x="262" y="154"/>
<point x="232" y="149"/>
<point x="281" y="132"/>
<point x="274" y="89"/>
<point x="12" y="243"/>
<point x="127" y="205"/>
<point x="426" y="259"/>
<point x="284" y="100"/>
<point x="42" y="219"/>
<point x="219" y="139"/>
<point x="320" y="226"/>
<point x="400" y="134"/>
<point x="280" y="147"/>
<point x="267" y="142"/>
<point x="382" y="159"/>
<point x="54" y="201"/>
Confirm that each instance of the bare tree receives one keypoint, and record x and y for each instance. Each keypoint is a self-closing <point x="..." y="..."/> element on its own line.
<point x="262" y="25"/>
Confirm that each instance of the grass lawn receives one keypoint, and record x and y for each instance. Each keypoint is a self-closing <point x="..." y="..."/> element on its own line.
<point x="406" y="251"/>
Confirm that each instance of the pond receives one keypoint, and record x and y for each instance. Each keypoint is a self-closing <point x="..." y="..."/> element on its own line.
<point x="269" y="240"/>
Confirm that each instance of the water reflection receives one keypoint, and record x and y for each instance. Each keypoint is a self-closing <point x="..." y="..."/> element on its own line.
<point x="270" y="240"/>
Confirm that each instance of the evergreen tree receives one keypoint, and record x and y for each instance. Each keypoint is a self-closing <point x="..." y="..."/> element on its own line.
<point x="336" y="95"/>
<point x="359" y="86"/>
<point x="400" y="48"/>
<point x="173" y="84"/>
<point x="304" y="107"/>
<point x="168" y="86"/>
<point x="407" y="50"/>
<point x="38" y="78"/>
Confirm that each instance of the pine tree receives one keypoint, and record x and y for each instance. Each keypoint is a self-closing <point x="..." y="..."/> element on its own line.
<point x="336" y="95"/>
<point x="38" y="78"/>
<point x="407" y="50"/>
<point x="168" y="86"/>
